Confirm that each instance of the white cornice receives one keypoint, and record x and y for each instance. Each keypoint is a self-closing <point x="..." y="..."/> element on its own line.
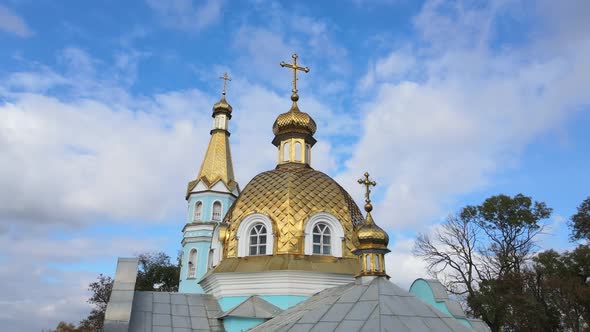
<point x="198" y="226"/>
<point x="285" y="282"/>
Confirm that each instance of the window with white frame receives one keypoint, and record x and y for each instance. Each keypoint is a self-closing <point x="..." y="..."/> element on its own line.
<point x="322" y="243"/>
<point x="198" y="212"/>
<point x="324" y="235"/>
<point x="192" y="264"/>
<point x="255" y="236"/>
<point x="257" y="244"/>
<point x="216" y="211"/>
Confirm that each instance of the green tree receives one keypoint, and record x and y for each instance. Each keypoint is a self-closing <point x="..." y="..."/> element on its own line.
<point x="562" y="286"/>
<point x="481" y="252"/>
<point x="155" y="273"/>
<point x="580" y="222"/>
<point x="101" y="293"/>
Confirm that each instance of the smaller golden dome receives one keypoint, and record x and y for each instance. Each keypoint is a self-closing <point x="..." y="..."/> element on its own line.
<point x="222" y="106"/>
<point x="369" y="234"/>
<point x="294" y="121"/>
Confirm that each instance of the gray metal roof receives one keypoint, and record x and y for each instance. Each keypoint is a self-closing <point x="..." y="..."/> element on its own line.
<point x="254" y="307"/>
<point x="366" y="305"/>
<point x="174" y="312"/>
<point x="441" y="295"/>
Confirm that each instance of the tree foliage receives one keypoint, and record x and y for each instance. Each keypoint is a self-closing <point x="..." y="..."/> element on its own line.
<point x="580" y="222"/>
<point x="156" y="273"/>
<point x="480" y="254"/>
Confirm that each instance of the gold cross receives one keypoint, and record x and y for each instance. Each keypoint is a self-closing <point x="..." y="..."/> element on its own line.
<point x="225" y="78"/>
<point x="295" y="69"/>
<point x="368" y="183"/>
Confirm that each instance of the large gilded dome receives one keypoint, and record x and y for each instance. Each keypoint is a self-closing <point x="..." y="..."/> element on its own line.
<point x="289" y="195"/>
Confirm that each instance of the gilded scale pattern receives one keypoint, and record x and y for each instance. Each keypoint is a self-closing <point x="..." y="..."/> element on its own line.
<point x="289" y="195"/>
<point x="294" y="121"/>
<point x="217" y="164"/>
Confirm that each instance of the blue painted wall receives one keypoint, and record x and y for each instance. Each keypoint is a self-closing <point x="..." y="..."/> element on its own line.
<point x="281" y="301"/>
<point x="204" y="244"/>
<point x="190" y="285"/>
<point x="208" y="198"/>
<point x="422" y="290"/>
<point x="238" y="324"/>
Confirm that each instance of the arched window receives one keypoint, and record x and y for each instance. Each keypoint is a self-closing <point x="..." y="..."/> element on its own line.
<point x="216" y="211"/>
<point x="192" y="264"/>
<point x="321" y="239"/>
<point x="210" y="262"/>
<point x="324" y="235"/>
<point x="297" y="151"/>
<point x="286" y="151"/>
<point x="257" y="240"/>
<point x="255" y="235"/>
<point x="308" y="153"/>
<point x="198" y="211"/>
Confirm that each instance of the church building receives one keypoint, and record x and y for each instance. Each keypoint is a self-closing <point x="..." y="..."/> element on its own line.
<point x="292" y="251"/>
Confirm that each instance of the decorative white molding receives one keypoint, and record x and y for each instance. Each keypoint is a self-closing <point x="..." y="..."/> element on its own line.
<point x="193" y="255"/>
<point x="221" y="209"/>
<point x="284" y="282"/>
<point x="219" y="186"/>
<point x="216" y="249"/>
<point x="198" y="227"/>
<point x="336" y="233"/>
<point x="244" y="231"/>
<point x="199" y="187"/>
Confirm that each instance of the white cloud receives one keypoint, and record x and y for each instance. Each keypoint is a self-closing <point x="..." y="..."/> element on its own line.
<point x="402" y="266"/>
<point x="35" y="294"/>
<point x="470" y="115"/>
<point x="183" y="14"/>
<point x="70" y="162"/>
<point x="393" y="67"/>
<point x="12" y="23"/>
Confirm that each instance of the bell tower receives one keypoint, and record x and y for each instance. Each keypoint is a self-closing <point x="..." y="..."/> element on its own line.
<point x="209" y="197"/>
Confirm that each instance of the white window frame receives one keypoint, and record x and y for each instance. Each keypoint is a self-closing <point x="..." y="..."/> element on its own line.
<point x="192" y="273"/>
<point x="336" y="233"/>
<point x="195" y="210"/>
<point x="243" y="234"/>
<point x="213" y="211"/>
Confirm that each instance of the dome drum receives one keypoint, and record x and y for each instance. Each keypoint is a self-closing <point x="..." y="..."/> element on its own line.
<point x="293" y="134"/>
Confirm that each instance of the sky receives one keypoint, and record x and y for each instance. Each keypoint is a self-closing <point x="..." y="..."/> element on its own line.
<point x="105" y="112"/>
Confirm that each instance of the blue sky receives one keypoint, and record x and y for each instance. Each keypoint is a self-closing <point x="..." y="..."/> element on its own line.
<point x="105" y="115"/>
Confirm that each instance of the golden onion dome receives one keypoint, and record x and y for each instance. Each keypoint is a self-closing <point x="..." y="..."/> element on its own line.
<point x="222" y="106"/>
<point x="289" y="195"/>
<point x="294" y="121"/>
<point x="369" y="234"/>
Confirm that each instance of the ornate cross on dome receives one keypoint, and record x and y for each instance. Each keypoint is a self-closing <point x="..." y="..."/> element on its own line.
<point x="367" y="183"/>
<point x="295" y="68"/>
<point x="225" y="78"/>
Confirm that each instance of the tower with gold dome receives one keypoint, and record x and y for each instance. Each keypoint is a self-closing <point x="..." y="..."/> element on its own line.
<point x="209" y="197"/>
<point x="291" y="231"/>
<point x="291" y="252"/>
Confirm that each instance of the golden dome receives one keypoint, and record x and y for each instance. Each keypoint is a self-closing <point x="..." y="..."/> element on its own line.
<point x="369" y="234"/>
<point x="294" y="121"/>
<point x="222" y="106"/>
<point x="289" y="195"/>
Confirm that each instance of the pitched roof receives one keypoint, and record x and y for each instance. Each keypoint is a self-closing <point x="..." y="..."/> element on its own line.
<point x="217" y="164"/>
<point x="375" y="305"/>
<point x="253" y="307"/>
<point x="163" y="311"/>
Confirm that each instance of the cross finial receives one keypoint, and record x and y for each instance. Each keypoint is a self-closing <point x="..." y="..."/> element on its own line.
<point x="367" y="183"/>
<point x="295" y="68"/>
<point x="225" y="78"/>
